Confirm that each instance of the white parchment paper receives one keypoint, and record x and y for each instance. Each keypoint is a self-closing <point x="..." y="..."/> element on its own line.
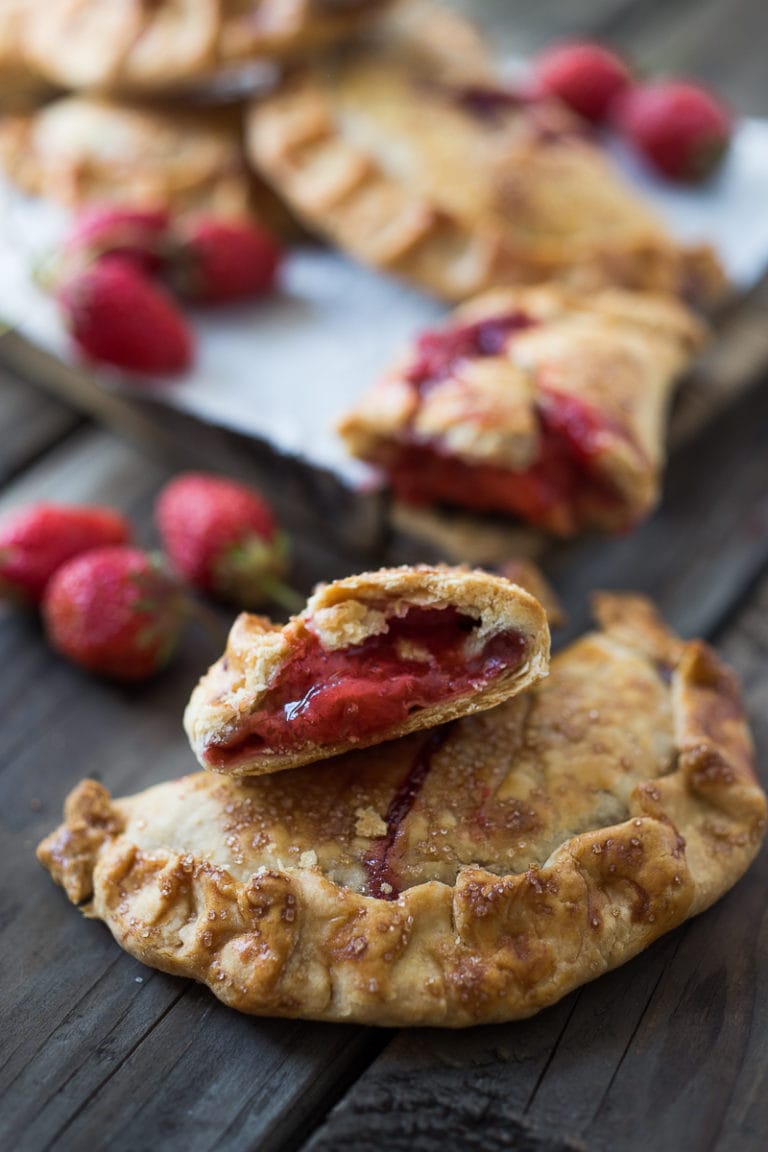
<point x="285" y="369"/>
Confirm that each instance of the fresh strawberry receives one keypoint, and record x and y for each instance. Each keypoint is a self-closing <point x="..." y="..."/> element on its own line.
<point x="222" y="537"/>
<point x="585" y="76"/>
<point x="681" y="129"/>
<point x="118" y="316"/>
<point x="35" y="542"/>
<point x="135" y="234"/>
<point x="219" y="261"/>
<point x="115" y="611"/>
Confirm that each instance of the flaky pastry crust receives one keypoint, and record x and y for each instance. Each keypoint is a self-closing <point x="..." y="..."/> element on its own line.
<point x="131" y="46"/>
<point x="618" y="354"/>
<point x="457" y="186"/>
<point x="548" y="841"/>
<point x="82" y="149"/>
<point x="345" y="614"/>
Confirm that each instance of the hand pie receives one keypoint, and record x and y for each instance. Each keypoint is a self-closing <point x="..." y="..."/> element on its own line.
<point x="470" y="874"/>
<point x="370" y="658"/>
<point x="459" y="186"/>
<point x="135" y="46"/>
<point x="80" y="149"/>
<point x="542" y="403"/>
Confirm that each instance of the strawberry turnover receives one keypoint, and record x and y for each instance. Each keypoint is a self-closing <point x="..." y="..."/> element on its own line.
<point x="370" y="658"/>
<point x="540" y="403"/>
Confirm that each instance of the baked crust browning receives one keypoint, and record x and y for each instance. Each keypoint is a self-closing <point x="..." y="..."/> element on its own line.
<point x="82" y="149"/>
<point x="343" y="616"/>
<point x="608" y="804"/>
<point x="609" y="360"/>
<point x="131" y="46"/>
<point x="458" y="186"/>
<point x="88" y="149"/>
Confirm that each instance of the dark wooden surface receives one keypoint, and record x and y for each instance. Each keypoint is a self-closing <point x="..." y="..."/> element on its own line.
<point x="666" y="1053"/>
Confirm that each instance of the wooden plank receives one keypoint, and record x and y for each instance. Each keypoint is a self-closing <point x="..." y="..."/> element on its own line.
<point x="30" y="422"/>
<point x="667" y="1052"/>
<point x="82" y="1058"/>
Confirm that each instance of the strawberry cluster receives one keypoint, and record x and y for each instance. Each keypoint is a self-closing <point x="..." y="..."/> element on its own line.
<point x="679" y="128"/>
<point x="119" y="611"/>
<point x="123" y="270"/>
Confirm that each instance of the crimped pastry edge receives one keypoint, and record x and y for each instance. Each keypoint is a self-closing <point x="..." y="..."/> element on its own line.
<point x="377" y="218"/>
<point x="490" y="948"/>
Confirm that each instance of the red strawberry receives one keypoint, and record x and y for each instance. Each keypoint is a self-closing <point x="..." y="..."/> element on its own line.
<point x="218" y="261"/>
<point x="118" y="316"/>
<point x="135" y="234"/>
<point x="222" y="537"/>
<point x="679" y="128"/>
<point x="115" y="611"/>
<point x="585" y="76"/>
<point x="36" y="541"/>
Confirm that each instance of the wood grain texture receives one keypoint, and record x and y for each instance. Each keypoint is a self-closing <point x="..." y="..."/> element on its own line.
<point x="30" y="422"/>
<point x="88" y="1033"/>
<point x="667" y="1053"/>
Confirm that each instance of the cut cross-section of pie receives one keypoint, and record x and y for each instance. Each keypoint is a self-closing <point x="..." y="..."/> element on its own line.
<point x="542" y="403"/>
<point x="370" y="658"/>
<point x="458" y="184"/>
<point x="474" y="873"/>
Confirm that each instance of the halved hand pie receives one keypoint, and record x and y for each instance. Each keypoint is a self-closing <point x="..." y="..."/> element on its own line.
<point x="458" y="184"/>
<point x="135" y="46"/>
<point x="542" y="403"/>
<point x="474" y="873"/>
<point x="370" y="658"/>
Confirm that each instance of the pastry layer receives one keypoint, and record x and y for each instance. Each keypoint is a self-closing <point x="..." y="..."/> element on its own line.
<point x="131" y="46"/>
<point x="543" y="403"/>
<point x="371" y="658"/>
<point x="458" y="184"/>
<point x="473" y="873"/>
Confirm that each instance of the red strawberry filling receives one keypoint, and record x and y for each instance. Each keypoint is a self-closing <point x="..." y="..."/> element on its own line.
<point x="561" y="491"/>
<point x="322" y="697"/>
<point x="440" y="350"/>
<point x="382" y="877"/>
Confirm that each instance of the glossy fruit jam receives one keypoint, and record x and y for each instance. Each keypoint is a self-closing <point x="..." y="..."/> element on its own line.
<point x="562" y="491"/>
<point x="440" y="350"/>
<point x="353" y="693"/>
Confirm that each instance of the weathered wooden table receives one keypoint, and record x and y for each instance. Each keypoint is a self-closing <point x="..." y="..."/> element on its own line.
<point x="668" y="1053"/>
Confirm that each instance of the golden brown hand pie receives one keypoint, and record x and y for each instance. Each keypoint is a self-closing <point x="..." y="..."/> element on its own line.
<point x="20" y="86"/>
<point x="370" y="658"/>
<point x="135" y="46"/>
<point x="460" y="186"/>
<point x="81" y="149"/>
<point x="543" y="403"/>
<point x="474" y="873"/>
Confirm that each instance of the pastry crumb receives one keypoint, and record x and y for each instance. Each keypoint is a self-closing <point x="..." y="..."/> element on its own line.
<point x="369" y="823"/>
<point x="308" y="859"/>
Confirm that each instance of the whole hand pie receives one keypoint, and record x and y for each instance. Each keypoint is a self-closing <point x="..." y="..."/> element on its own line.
<point x="474" y="873"/>
<point x="460" y="185"/>
<point x="80" y="149"/>
<point x="135" y="46"/>
<point x="370" y="658"/>
<point x="543" y="403"/>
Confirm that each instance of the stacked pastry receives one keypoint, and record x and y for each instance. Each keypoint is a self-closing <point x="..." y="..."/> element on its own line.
<point x="386" y="131"/>
<point x="403" y="822"/>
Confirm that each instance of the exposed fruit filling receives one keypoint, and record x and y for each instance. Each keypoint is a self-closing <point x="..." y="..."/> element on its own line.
<point x="382" y="877"/>
<point x="562" y="491"/>
<point x="426" y="656"/>
<point x="440" y="350"/>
